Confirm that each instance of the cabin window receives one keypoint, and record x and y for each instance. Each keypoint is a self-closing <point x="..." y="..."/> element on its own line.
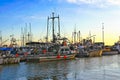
<point x="66" y="49"/>
<point x="62" y="50"/>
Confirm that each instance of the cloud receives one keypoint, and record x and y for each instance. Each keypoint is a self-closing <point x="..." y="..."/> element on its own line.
<point x="99" y="3"/>
<point x="114" y="2"/>
<point x="72" y="1"/>
<point x="34" y="17"/>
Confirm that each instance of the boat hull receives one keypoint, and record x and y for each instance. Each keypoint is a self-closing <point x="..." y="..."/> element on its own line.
<point x="92" y="53"/>
<point x="95" y="53"/>
<point x="50" y="58"/>
<point x="12" y="60"/>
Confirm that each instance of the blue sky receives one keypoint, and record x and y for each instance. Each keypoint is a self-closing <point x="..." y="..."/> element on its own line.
<point x="86" y="15"/>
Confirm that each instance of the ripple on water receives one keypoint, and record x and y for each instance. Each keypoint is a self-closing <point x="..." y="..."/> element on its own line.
<point x="98" y="68"/>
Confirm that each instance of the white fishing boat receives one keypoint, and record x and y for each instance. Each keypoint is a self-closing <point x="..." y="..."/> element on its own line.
<point x="64" y="53"/>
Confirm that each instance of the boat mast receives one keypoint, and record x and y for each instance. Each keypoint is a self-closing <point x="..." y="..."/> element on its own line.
<point x="103" y="32"/>
<point x="75" y="35"/>
<point x="58" y="26"/>
<point x="119" y="39"/>
<point x="22" y="37"/>
<point x="89" y="34"/>
<point x="53" y="31"/>
<point x="47" y="29"/>
<point x="53" y="18"/>
<point x="30" y="32"/>
<point x="79" y="35"/>
<point x="0" y="38"/>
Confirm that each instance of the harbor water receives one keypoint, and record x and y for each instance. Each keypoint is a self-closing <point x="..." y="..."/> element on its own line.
<point x="94" y="68"/>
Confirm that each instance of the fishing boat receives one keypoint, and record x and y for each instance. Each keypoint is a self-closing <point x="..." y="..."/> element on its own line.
<point x="64" y="53"/>
<point x="6" y="57"/>
<point x="89" y="50"/>
<point x="55" y="50"/>
<point x="91" y="53"/>
<point x="111" y="50"/>
<point x="95" y="53"/>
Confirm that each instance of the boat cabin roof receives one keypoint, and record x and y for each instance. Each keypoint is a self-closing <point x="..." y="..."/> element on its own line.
<point x="64" y="47"/>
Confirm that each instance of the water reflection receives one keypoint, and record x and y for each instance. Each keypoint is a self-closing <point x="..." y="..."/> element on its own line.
<point x="51" y="70"/>
<point x="98" y="68"/>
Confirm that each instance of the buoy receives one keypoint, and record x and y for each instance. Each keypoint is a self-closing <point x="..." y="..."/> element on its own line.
<point x="58" y="56"/>
<point x="65" y="56"/>
<point x="44" y="51"/>
<point x="16" y="54"/>
<point x="26" y="53"/>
